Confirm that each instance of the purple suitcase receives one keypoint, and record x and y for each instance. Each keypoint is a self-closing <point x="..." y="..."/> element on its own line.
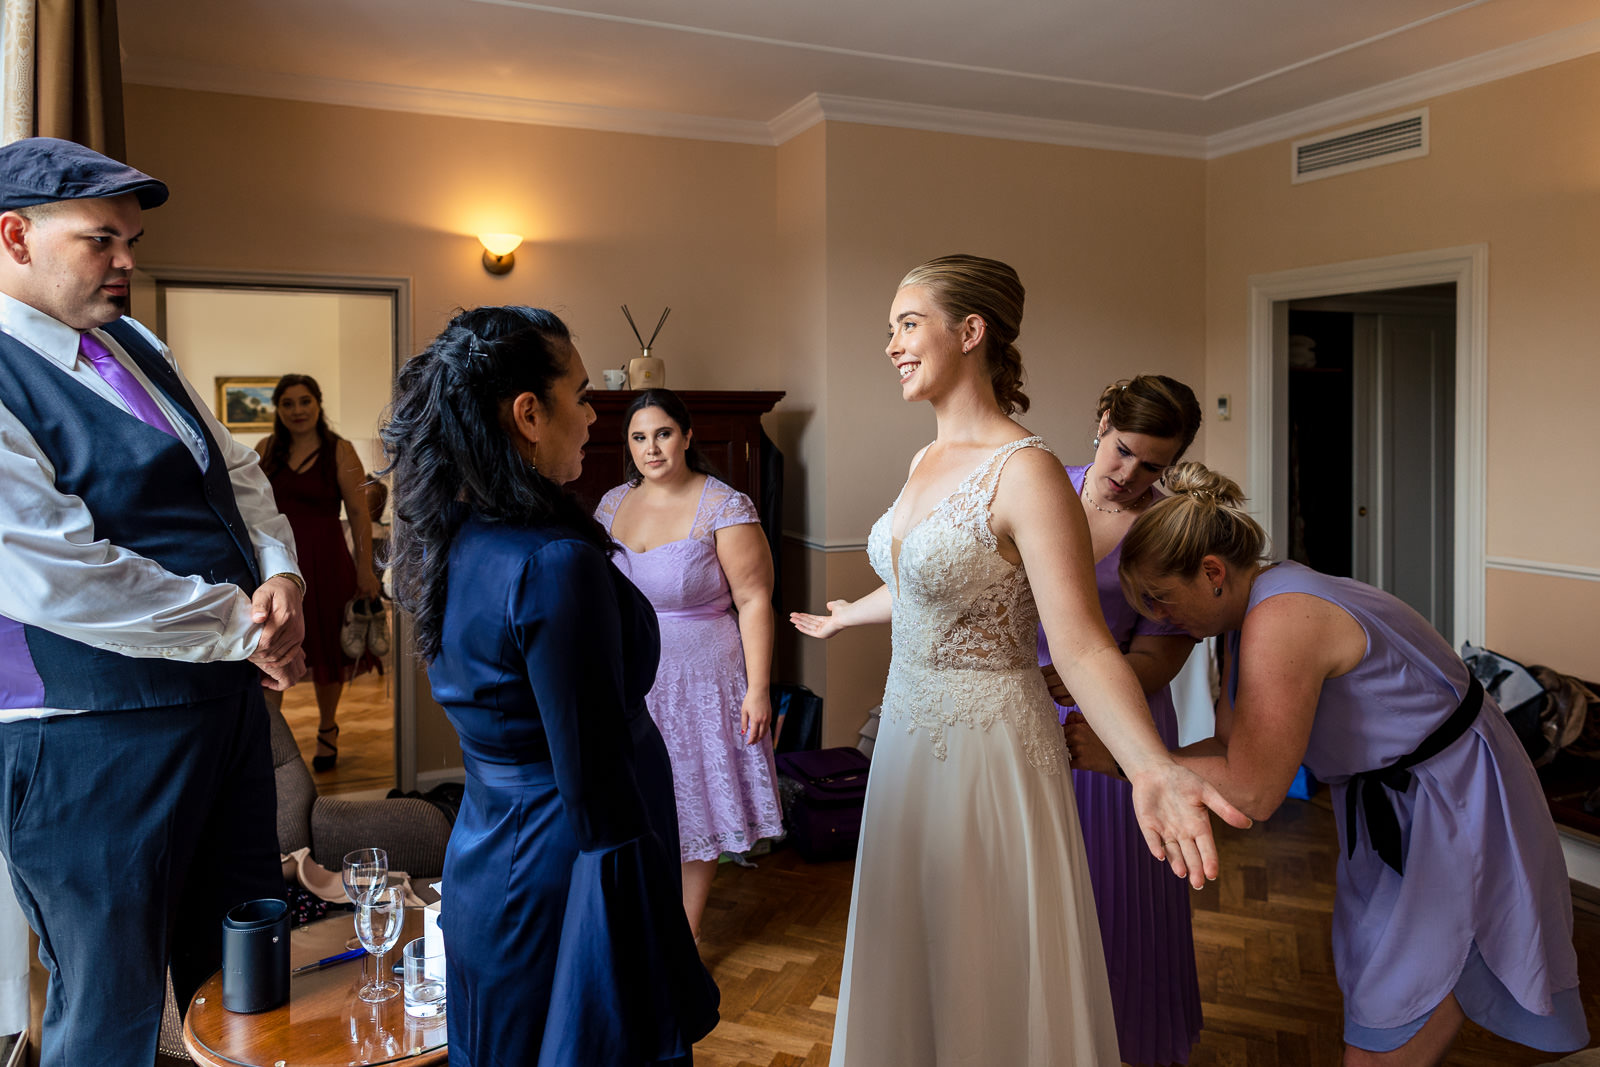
<point x="825" y="819"/>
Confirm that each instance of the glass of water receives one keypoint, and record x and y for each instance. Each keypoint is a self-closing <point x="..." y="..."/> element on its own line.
<point x="378" y="928"/>
<point x="424" y="979"/>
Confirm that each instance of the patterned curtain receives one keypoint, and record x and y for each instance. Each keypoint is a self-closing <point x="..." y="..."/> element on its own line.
<point x="62" y="72"/>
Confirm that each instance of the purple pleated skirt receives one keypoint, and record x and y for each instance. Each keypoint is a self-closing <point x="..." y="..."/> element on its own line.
<point x="1144" y="925"/>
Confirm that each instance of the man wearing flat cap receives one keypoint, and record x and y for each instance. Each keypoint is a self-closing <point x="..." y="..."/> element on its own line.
<point x="149" y="592"/>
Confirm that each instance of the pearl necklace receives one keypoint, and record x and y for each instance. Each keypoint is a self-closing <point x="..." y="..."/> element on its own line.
<point x="1110" y="511"/>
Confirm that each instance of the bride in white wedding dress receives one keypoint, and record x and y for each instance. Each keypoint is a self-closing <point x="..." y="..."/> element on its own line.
<point x="973" y="938"/>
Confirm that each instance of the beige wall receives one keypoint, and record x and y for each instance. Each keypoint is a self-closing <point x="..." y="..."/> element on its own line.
<point x="1111" y="247"/>
<point x="1514" y="164"/>
<point x="274" y="185"/>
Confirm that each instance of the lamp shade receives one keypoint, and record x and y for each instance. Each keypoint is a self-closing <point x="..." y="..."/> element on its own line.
<point x="500" y="244"/>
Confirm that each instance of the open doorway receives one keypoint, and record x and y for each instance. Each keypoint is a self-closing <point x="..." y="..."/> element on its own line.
<point x="240" y="334"/>
<point x="1371" y="441"/>
<point x="1376" y="399"/>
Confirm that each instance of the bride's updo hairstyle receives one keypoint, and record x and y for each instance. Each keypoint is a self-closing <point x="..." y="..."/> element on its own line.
<point x="1203" y="516"/>
<point x="1154" y="405"/>
<point x="971" y="285"/>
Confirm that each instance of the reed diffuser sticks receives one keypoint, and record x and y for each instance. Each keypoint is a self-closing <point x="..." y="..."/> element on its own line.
<point x="644" y="346"/>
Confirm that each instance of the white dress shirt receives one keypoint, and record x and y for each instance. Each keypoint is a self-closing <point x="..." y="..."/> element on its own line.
<point x="56" y="575"/>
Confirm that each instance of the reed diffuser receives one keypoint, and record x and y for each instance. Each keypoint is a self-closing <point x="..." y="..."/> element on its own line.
<point x="644" y="370"/>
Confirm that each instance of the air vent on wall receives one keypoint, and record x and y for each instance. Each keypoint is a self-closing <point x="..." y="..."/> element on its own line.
<point x="1371" y="144"/>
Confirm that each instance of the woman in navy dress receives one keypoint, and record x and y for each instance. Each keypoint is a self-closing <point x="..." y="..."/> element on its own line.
<point x="565" y="933"/>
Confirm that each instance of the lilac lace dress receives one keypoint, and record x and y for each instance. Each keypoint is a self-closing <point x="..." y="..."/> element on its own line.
<point x="727" y="800"/>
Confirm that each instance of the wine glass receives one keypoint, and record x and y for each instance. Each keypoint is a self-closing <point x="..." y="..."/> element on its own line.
<point x="378" y="923"/>
<point x="366" y="871"/>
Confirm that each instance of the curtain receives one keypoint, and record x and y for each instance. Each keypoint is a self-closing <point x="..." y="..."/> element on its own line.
<point x="62" y="73"/>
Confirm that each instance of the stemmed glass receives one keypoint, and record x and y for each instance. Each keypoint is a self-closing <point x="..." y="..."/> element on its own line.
<point x="366" y="873"/>
<point x="378" y="923"/>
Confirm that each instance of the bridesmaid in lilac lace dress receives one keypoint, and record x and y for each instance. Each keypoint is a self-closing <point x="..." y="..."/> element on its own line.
<point x="693" y="545"/>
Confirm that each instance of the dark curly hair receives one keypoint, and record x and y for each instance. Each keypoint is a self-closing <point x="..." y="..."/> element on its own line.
<point x="678" y="412"/>
<point x="451" y="455"/>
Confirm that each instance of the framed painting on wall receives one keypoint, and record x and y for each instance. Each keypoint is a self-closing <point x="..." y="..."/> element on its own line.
<point x="244" y="405"/>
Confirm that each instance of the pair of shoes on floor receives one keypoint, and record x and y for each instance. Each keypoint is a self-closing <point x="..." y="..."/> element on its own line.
<point x="319" y="762"/>
<point x="365" y="628"/>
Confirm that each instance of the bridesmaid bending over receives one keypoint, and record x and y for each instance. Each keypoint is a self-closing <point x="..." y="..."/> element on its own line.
<point x="692" y="544"/>
<point x="1452" y="899"/>
<point x="1145" y="424"/>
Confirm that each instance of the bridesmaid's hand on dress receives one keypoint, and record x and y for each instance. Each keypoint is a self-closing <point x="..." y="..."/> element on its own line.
<point x="755" y="714"/>
<point x="1170" y="803"/>
<point x="1058" y="689"/>
<point x="823" y="626"/>
<point x="1084" y="747"/>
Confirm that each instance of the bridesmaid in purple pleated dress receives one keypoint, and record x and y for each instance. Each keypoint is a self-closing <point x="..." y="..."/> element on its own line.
<point x="1453" y="899"/>
<point x="692" y="544"/>
<point x="1144" y="425"/>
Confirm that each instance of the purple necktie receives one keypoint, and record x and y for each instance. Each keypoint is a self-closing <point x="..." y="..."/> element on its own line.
<point x="141" y="403"/>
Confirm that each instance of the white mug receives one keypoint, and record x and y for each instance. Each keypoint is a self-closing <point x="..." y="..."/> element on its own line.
<point x="615" y="379"/>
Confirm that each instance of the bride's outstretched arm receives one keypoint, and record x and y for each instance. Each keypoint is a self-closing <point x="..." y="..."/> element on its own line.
<point x="876" y="606"/>
<point x="1036" y="515"/>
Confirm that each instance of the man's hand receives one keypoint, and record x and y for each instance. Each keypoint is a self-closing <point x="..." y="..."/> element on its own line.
<point x="276" y="607"/>
<point x="284" y="674"/>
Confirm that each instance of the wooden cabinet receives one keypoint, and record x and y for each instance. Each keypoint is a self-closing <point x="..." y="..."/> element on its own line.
<point x="727" y="429"/>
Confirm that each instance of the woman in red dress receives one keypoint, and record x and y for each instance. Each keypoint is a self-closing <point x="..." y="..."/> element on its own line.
<point x="313" y="472"/>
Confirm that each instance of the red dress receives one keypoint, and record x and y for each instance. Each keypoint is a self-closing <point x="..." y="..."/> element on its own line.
<point x="310" y="499"/>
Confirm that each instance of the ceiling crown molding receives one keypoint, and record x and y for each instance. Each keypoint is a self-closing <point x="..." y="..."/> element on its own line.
<point x="826" y="106"/>
<point x="1571" y="43"/>
<point x="446" y="102"/>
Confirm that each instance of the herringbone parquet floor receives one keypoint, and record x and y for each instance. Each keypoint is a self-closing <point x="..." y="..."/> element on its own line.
<point x="774" y="939"/>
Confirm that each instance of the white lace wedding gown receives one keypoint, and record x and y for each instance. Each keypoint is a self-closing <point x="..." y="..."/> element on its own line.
<point x="973" y="938"/>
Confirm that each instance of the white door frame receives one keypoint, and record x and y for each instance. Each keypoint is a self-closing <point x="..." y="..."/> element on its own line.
<point x="399" y="288"/>
<point x="1467" y="267"/>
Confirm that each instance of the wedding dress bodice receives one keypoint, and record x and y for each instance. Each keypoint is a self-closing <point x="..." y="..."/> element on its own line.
<point x="964" y="623"/>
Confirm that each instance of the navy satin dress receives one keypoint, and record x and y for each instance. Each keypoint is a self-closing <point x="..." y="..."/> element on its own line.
<point x="563" y="912"/>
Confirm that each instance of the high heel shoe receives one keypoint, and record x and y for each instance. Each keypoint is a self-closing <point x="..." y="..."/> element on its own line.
<point x="320" y="762"/>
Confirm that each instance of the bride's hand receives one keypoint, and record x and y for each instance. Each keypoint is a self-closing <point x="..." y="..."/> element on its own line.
<point x="1171" y="804"/>
<point x="823" y="626"/>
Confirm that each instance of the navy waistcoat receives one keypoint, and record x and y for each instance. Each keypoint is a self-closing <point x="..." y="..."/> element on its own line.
<point x="145" y="493"/>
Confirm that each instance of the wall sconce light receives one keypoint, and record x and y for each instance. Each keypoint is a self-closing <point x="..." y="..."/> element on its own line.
<point x="497" y="251"/>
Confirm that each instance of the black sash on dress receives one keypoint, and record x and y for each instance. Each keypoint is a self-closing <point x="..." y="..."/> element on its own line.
<point x="1383" y="828"/>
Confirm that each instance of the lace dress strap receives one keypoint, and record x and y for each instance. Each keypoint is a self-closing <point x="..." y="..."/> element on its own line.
<point x="606" y="512"/>
<point x="977" y="495"/>
<point x="721" y="505"/>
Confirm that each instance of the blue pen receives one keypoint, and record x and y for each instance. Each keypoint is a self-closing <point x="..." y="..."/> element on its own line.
<point x="329" y="961"/>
